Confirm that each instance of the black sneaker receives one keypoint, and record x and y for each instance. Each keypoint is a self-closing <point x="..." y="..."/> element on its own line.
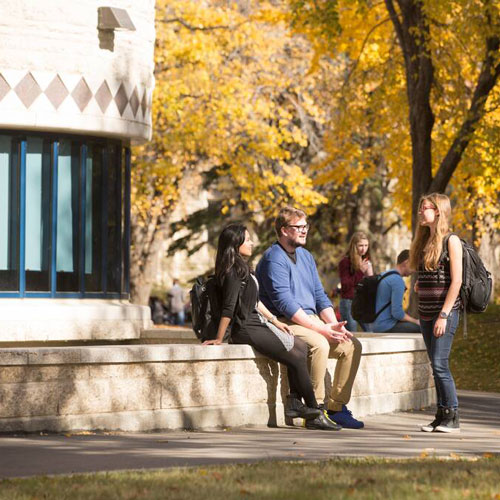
<point x="437" y="420"/>
<point x="295" y="408"/>
<point x="450" y="421"/>
<point x="322" y="422"/>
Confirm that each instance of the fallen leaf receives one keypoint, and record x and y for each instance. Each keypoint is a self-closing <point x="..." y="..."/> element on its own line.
<point x="217" y="475"/>
<point x="488" y="455"/>
<point x="406" y="436"/>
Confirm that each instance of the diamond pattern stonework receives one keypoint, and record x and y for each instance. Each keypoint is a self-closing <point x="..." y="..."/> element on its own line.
<point x="103" y="96"/>
<point x="4" y="87"/>
<point x="56" y="92"/>
<point x="121" y="99"/>
<point x="82" y="94"/>
<point x="134" y="101"/>
<point x="28" y="90"/>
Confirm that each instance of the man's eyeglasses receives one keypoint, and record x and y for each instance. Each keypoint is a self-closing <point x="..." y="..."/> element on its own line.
<point x="300" y="228"/>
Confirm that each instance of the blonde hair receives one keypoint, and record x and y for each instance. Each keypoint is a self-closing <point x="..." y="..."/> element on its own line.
<point x="352" y="253"/>
<point x="285" y="216"/>
<point x="426" y="248"/>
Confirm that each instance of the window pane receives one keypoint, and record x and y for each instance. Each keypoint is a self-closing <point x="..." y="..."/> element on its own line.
<point x="9" y="215"/>
<point x="93" y="215"/>
<point x="114" y="220"/>
<point x="37" y="234"/>
<point x="68" y="188"/>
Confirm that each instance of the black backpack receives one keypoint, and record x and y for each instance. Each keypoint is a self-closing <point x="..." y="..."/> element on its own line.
<point x="206" y="306"/>
<point x="476" y="288"/>
<point x="363" y="308"/>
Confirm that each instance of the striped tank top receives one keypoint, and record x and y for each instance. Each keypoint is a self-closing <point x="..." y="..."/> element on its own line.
<point x="432" y="289"/>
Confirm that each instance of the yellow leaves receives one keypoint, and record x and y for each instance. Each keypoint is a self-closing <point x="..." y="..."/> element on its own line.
<point x="230" y="91"/>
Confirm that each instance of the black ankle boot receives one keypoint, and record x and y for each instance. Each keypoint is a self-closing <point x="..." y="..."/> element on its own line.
<point x="295" y="408"/>
<point x="437" y="420"/>
<point x="450" y="421"/>
<point x="323" y="423"/>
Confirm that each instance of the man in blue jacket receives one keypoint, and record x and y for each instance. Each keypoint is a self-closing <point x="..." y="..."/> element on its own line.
<point x="289" y="286"/>
<point x="390" y="292"/>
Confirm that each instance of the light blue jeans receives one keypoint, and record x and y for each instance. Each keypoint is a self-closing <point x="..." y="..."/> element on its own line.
<point x="345" y="314"/>
<point x="438" y="349"/>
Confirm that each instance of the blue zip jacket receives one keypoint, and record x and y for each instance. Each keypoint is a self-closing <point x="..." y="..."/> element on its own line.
<point x="285" y="287"/>
<point x="391" y="289"/>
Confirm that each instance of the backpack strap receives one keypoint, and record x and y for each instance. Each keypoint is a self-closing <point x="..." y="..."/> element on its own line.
<point x="444" y="250"/>
<point x="444" y="254"/>
<point x="388" y="303"/>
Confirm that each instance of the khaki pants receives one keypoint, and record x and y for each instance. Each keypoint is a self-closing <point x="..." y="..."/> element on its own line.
<point x="347" y="354"/>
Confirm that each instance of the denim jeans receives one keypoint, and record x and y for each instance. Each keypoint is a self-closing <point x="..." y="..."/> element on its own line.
<point x="438" y="349"/>
<point x="179" y="318"/>
<point x="345" y="314"/>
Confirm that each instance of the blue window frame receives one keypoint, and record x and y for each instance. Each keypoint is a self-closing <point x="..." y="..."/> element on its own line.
<point x="65" y="211"/>
<point x="9" y="214"/>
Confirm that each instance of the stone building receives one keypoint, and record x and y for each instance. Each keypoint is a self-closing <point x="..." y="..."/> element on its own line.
<point x="76" y="81"/>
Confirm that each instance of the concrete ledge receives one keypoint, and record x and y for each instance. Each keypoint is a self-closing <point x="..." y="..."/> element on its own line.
<point x="146" y="387"/>
<point x="42" y="320"/>
<point x="167" y="352"/>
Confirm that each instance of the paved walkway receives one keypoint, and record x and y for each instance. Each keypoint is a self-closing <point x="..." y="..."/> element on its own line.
<point x="392" y="435"/>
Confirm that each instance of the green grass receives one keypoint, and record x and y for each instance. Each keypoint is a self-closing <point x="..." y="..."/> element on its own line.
<point x="474" y="360"/>
<point x="348" y="478"/>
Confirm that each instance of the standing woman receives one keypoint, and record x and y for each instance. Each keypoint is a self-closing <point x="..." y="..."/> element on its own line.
<point x="352" y="269"/>
<point x="253" y="324"/>
<point x="438" y="287"/>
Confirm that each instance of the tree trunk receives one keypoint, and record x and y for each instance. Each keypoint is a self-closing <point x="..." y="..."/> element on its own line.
<point x="147" y="241"/>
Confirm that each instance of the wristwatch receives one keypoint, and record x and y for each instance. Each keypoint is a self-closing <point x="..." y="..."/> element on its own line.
<point x="443" y="315"/>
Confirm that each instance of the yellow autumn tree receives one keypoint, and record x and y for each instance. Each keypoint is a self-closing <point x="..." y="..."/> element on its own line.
<point x="232" y="96"/>
<point x="419" y="97"/>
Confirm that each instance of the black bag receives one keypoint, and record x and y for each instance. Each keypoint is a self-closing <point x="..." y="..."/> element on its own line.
<point x="363" y="308"/>
<point x="206" y="306"/>
<point x="476" y="288"/>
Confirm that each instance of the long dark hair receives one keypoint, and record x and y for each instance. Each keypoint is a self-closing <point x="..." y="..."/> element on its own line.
<point x="228" y="254"/>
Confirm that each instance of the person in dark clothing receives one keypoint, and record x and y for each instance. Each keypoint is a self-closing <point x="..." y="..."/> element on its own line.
<point x="252" y="323"/>
<point x="353" y="267"/>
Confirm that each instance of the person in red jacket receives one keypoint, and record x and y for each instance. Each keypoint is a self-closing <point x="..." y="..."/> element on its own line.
<point x="352" y="268"/>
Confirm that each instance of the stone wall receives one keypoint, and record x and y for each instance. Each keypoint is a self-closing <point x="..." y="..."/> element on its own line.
<point x="146" y="387"/>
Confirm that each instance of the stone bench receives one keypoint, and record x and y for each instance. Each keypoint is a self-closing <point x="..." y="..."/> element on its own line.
<point x="147" y="387"/>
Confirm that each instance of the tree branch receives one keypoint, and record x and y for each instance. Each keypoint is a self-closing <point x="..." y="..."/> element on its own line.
<point x="399" y="30"/>
<point x="487" y="80"/>
<point x="190" y="27"/>
<point x="365" y="41"/>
